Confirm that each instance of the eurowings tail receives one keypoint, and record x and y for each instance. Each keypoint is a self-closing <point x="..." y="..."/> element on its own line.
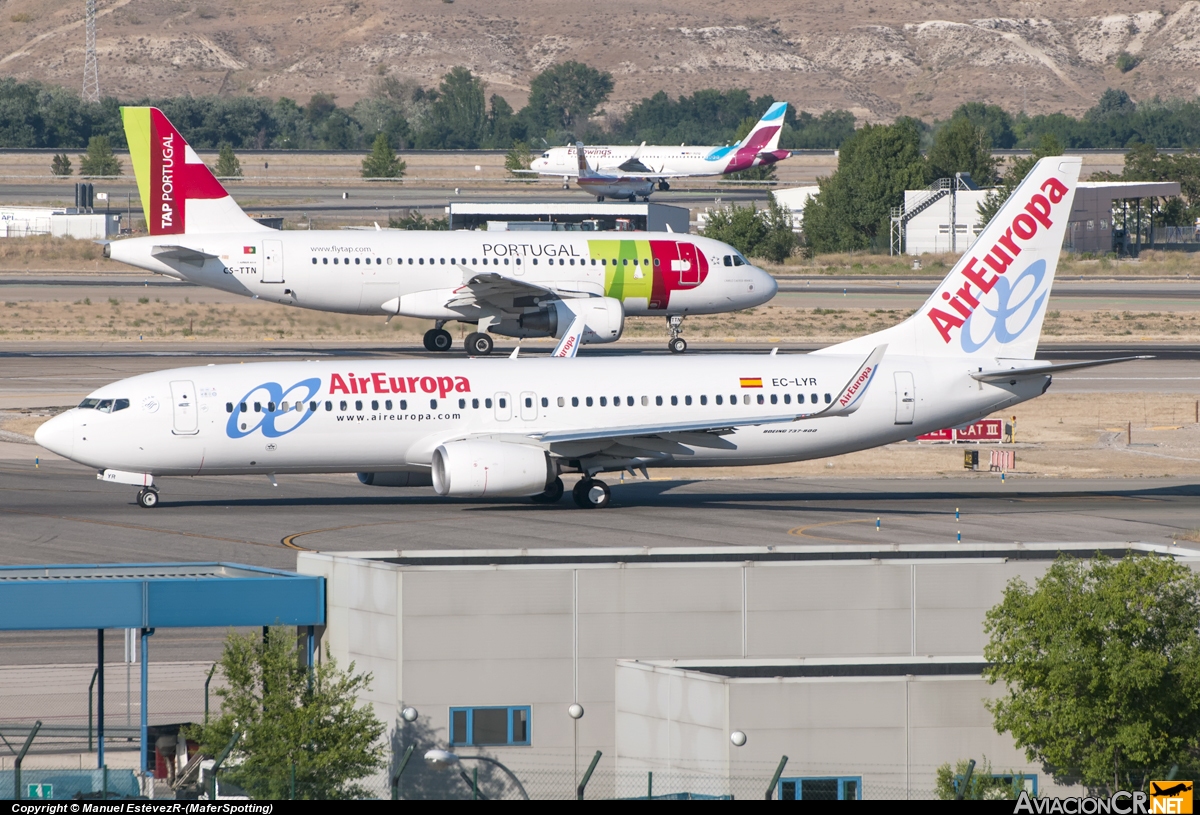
<point x="180" y="195"/>
<point x="993" y="302"/>
<point x="764" y="138"/>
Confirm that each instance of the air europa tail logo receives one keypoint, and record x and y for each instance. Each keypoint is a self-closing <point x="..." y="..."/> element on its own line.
<point x="382" y="383"/>
<point x="964" y="301"/>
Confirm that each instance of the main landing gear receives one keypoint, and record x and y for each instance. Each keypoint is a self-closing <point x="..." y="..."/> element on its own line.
<point x="147" y="498"/>
<point x="591" y="494"/>
<point x="478" y="344"/>
<point x="676" y="344"/>
<point x="438" y="339"/>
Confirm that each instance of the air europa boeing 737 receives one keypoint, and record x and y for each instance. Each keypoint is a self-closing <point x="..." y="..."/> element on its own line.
<point x="511" y="427"/>
<point x="529" y="284"/>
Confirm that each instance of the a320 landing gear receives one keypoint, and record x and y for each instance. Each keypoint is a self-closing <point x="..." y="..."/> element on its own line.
<point x="438" y="339"/>
<point x="478" y="344"/>
<point x="554" y="491"/>
<point x="591" y="494"/>
<point x="147" y="498"/>
<point x="676" y="344"/>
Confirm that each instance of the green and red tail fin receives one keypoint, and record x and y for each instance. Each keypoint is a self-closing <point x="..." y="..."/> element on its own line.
<point x="179" y="193"/>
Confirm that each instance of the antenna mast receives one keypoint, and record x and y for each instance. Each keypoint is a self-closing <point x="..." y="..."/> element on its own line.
<point x="91" y="69"/>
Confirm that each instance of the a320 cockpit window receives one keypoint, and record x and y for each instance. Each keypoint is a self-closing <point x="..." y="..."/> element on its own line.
<point x="735" y="260"/>
<point x="104" y="405"/>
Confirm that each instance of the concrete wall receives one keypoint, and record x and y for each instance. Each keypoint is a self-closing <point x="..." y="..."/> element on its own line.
<point x="548" y="635"/>
<point x="893" y="732"/>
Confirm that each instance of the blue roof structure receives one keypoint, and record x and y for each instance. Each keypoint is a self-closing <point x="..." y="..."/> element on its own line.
<point x="156" y="595"/>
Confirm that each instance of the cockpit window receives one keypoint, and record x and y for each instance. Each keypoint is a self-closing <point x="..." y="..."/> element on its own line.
<point x="545" y="155"/>
<point x="120" y="404"/>
<point x="105" y="406"/>
<point x="87" y="404"/>
<point x="737" y="261"/>
<point x="728" y="260"/>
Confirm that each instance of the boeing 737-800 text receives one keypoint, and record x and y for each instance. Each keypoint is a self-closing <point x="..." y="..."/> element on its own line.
<point x="486" y="428"/>
<point x="527" y="284"/>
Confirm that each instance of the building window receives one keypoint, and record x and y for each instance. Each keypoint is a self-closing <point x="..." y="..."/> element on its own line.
<point x="483" y="726"/>
<point x="846" y="788"/>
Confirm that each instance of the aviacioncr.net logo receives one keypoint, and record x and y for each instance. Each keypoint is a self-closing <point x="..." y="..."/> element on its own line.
<point x="277" y="422"/>
<point x="1017" y="306"/>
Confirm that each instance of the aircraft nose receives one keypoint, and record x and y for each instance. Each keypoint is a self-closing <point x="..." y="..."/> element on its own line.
<point x="765" y="284"/>
<point x="58" y="434"/>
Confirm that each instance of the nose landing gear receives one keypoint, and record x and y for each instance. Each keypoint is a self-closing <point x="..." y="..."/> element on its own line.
<point x="677" y="344"/>
<point x="147" y="498"/>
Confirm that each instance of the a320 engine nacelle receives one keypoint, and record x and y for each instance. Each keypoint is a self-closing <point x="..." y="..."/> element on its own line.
<point x="603" y="317"/>
<point x="474" y="469"/>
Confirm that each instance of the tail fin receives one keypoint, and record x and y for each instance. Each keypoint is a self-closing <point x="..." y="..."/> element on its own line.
<point x="764" y="138"/>
<point x="994" y="300"/>
<point x="179" y="193"/>
<point x="585" y="169"/>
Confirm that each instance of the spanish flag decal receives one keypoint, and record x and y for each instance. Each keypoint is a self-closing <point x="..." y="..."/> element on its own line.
<point x="249" y="250"/>
<point x="751" y="381"/>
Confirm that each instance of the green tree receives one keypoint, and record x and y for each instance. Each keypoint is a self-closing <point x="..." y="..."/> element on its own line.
<point x="519" y="158"/>
<point x="962" y="147"/>
<point x="414" y="220"/>
<point x="383" y="161"/>
<point x="1101" y="666"/>
<point x="99" y="160"/>
<point x="60" y="164"/>
<point x="780" y="241"/>
<point x="765" y="233"/>
<point x="1017" y="170"/>
<point x="291" y="717"/>
<point x="875" y="166"/>
<point x="982" y="786"/>
<point x="227" y="165"/>
<point x="458" y="119"/>
<point x="566" y="94"/>
<point x="993" y="119"/>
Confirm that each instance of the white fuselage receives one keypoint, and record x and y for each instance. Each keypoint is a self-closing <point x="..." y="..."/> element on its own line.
<point x="390" y="415"/>
<point x="607" y="159"/>
<point x="417" y="274"/>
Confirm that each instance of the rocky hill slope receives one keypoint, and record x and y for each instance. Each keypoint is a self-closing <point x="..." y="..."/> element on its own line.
<point x="878" y="58"/>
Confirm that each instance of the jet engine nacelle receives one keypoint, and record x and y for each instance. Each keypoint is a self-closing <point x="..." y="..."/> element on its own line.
<point x="409" y="479"/>
<point x="475" y="469"/>
<point x="604" y="318"/>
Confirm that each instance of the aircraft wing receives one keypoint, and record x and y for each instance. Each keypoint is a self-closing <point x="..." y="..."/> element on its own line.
<point x="498" y="291"/>
<point x="1001" y="374"/>
<point x="848" y="401"/>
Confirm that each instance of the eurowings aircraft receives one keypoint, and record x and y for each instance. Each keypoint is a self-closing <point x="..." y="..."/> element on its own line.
<point x="611" y="185"/>
<point x="487" y="428"/>
<point x="518" y="284"/>
<point x="759" y="148"/>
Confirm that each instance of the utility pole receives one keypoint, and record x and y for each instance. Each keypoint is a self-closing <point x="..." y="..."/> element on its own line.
<point x="91" y="69"/>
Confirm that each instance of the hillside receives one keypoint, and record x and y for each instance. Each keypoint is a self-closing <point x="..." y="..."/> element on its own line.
<point x="878" y="58"/>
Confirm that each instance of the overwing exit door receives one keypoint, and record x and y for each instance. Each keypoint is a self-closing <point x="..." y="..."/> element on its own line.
<point x="272" y="265"/>
<point x="906" y="398"/>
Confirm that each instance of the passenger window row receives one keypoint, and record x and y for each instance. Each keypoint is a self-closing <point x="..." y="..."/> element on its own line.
<point x="493" y="261"/>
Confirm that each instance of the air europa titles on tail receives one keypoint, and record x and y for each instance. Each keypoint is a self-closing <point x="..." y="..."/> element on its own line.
<point x="1002" y="255"/>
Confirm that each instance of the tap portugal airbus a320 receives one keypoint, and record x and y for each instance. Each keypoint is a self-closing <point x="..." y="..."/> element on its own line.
<point x="487" y="428"/>
<point x="518" y="284"/>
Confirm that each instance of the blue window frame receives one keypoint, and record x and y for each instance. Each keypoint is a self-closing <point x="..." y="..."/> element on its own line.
<point x="821" y="788"/>
<point x="487" y="726"/>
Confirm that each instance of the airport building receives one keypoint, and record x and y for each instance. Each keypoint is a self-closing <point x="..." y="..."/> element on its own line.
<point x="516" y="215"/>
<point x="61" y="222"/>
<point x="861" y="664"/>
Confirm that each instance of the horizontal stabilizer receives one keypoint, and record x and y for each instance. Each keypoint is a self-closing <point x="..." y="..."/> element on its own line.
<point x="182" y="253"/>
<point x="1000" y="375"/>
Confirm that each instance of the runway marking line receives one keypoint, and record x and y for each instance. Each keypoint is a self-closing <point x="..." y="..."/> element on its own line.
<point x="802" y="531"/>
<point x="133" y="526"/>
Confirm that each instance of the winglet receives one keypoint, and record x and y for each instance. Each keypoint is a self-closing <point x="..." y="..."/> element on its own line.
<point x="568" y="346"/>
<point x="849" y="399"/>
